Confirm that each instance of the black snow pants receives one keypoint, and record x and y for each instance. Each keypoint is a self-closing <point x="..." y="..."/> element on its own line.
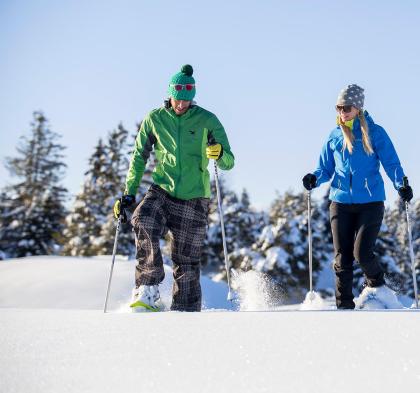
<point x="355" y="228"/>
<point x="187" y="222"/>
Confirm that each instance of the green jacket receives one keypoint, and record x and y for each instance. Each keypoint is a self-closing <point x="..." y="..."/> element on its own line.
<point x="180" y="147"/>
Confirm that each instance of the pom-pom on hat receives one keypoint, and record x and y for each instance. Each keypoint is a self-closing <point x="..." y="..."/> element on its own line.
<point x="182" y="78"/>
<point x="352" y="95"/>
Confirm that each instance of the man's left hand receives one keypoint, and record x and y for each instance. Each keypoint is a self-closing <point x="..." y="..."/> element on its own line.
<point x="214" y="152"/>
<point x="125" y="202"/>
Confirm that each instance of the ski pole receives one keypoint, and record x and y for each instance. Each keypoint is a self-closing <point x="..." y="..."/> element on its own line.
<point x="312" y="295"/>
<point x="113" y="260"/>
<point x="410" y="243"/>
<point x="222" y="224"/>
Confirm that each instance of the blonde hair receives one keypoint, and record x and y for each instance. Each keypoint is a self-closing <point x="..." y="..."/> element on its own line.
<point x="349" y="136"/>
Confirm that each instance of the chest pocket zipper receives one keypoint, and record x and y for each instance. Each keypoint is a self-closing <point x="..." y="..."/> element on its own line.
<point x="367" y="187"/>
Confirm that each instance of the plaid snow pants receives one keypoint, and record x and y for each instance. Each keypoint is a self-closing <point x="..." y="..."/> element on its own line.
<point x="187" y="222"/>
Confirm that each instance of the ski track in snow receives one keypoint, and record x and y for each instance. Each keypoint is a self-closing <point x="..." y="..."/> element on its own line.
<point x="54" y="337"/>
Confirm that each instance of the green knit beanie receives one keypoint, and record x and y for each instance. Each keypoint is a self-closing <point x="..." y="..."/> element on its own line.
<point x="185" y="79"/>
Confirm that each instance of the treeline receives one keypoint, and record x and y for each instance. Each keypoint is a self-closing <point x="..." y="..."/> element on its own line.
<point x="35" y="220"/>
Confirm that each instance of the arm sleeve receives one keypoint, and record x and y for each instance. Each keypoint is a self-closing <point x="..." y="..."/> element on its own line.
<point x="216" y="130"/>
<point x="389" y="158"/>
<point x="144" y="144"/>
<point x="326" y="164"/>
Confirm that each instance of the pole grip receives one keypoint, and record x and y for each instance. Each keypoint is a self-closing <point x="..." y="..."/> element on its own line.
<point x="405" y="181"/>
<point x="210" y="138"/>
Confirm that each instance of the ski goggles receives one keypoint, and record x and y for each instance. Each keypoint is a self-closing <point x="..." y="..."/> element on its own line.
<point x="343" y="108"/>
<point x="178" y="87"/>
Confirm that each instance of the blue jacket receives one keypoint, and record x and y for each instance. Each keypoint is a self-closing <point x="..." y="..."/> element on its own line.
<point x="356" y="177"/>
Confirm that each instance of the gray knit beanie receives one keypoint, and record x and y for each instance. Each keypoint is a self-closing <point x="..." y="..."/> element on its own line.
<point x="352" y="95"/>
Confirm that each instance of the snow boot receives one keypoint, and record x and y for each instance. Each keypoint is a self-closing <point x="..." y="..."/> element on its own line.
<point x="145" y="298"/>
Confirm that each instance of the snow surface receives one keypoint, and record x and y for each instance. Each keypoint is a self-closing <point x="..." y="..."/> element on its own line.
<point x="81" y="283"/>
<point x="54" y="337"/>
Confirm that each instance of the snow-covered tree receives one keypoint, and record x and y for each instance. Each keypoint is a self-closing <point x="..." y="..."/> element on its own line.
<point x="241" y="229"/>
<point x="213" y="257"/>
<point x="117" y="166"/>
<point x="249" y="226"/>
<point x="85" y="221"/>
<point x="33" y="208"/>
<point x="6" y="205"/>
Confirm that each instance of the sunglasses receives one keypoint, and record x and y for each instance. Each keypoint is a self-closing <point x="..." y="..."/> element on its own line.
<point x="343" y="108"/>
<point x="187" y="87"/>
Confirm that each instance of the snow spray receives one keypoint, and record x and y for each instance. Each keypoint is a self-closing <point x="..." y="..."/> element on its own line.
<point x="256" y="291"/>
<point x="314" y="301"/>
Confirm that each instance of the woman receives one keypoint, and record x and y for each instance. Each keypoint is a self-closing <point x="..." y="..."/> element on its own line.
<point x="351" y="157"/>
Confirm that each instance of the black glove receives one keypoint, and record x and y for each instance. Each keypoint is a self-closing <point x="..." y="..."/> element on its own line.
<point x="127" y="201"/>
<point x="121" y="204"/>
<point x="309" y="181"/>
<point x="406" y="193"/>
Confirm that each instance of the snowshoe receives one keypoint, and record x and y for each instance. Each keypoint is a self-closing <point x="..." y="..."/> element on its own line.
<point x="145" y="298"/>
<point x="378" y="298"/>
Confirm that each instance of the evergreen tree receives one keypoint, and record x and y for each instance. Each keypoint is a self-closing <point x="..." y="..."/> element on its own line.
<point x="84" y="223"/>
<point x="33" y="211"/>
<point x="6" y="218"/>
<point x="117" y="166"/>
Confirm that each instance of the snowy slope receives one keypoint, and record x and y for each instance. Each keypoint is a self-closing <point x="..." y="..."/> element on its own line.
<point x="81" y="283"/>
<point x="70" y="345"/>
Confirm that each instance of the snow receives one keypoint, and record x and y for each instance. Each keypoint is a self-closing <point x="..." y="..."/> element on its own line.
<point x="54" y="337"/>
<point x="255" y="292"/>
<point x="278" y="256"/>
<point x="376" y="298"/>
<point x="314" y="301"/>
<point x="81" y="283"/>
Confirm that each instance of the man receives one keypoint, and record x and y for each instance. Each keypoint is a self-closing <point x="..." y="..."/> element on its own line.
<point x="184" y="137"/>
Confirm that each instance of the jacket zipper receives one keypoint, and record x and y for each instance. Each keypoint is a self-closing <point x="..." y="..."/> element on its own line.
<point x="179" y="155"/>
<point x="367" y="187"/>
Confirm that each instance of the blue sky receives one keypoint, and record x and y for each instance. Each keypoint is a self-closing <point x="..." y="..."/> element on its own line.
<point x="270" y="70"/>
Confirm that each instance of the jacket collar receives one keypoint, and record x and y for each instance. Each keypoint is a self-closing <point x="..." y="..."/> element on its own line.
<point x="169" y="109"/>
<point x="355" y="123"/>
